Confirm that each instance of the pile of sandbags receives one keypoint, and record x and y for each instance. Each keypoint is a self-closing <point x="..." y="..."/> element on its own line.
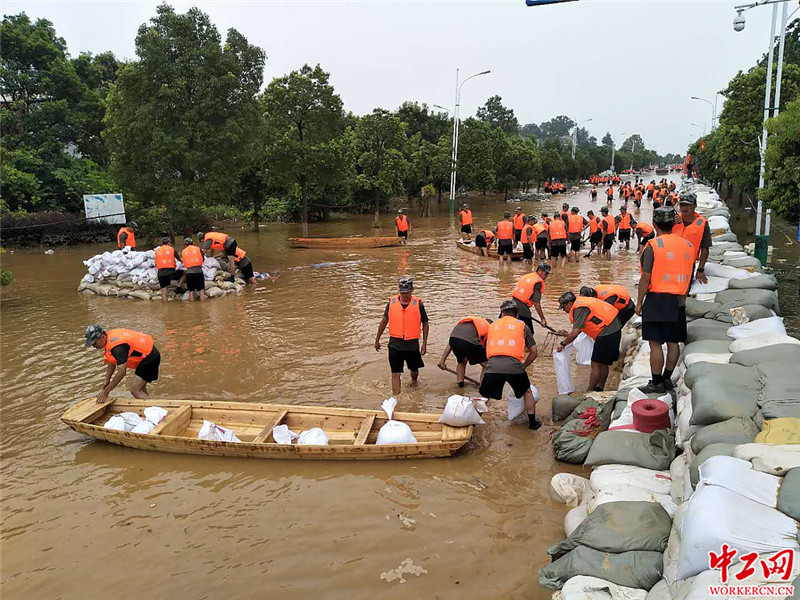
<point x="130" y="274"/>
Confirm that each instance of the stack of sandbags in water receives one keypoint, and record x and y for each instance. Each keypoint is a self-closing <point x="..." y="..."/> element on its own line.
<point x="130" y="274"/>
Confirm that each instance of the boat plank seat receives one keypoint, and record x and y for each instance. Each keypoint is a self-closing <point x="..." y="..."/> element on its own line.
<point x="175" y="422"/>
<point x="91" y="410"/>
<point x="273" y="423"/>
<point x="363" y="432"/>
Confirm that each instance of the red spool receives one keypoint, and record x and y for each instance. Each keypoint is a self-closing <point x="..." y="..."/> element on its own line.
<point x="650" y="415"/>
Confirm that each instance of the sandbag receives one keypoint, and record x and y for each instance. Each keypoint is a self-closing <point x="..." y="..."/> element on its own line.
<point x="738" y="476"/>
<point x="677" y="471"/>
<point x="776" y="460"/>
<point x="738" y="430"/>
<point x="568" y="445"/>
<point x="749" y="263"/>
<point x="706" y="329"/>
<point x="717" y="270"/>
<point x="705" y="454"/>
<point x="605" y="476"/>
<point x="564" y="404"/>
<point x="780" y="394"/>
<point x="769" y="325"/>
<point x="741" y="297"/>
<point x="754" y="312"/>
<point x="763" y="281"/>
<point x="767" y="355"/>
<point x="639" y="569"/>
<point x="779" y="432"/>
<point x="312" y="437"/>
<point x="737" y="375"/>
<point x="394" y="432"/>
<point x="696" y="308"/>
<point x="562" y="367"/>
<point x="760" y="341"/>
<point x="625" y="493"/>
<point x="620" y="527"/>
<point x="659" y="591"/>
<point x="594" y="588"/>
<point x="648" y="450"/>
<point x="600" y="401"/>
<point x="715" y="400"/>
<point x="460" y="412"/>
<point x="575" y="517"/>
<point x="789" y="494"/>
<point x="569" y="489"/>
<point x="707" y="347"/>
<point x="717" y="516"/>
<point x="712" y="286"/>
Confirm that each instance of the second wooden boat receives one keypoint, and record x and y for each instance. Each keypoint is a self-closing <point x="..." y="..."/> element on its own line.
<point x="351" y="432"/>
<point x="346" y="242"/>
<point x="492" y="251"/>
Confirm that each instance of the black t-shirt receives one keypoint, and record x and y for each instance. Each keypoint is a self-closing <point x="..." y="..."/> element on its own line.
<point x="120" y="353"/>
<point x="399" y="343"/>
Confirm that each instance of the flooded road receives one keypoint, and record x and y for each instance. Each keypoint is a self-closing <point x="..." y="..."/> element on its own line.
<point x="84" y="519"/>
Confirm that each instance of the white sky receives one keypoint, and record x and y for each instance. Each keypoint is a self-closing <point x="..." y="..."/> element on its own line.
<point x="630" y="66"/>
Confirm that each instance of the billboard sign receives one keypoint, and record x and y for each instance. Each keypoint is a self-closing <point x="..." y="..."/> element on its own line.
<point x="104" y="208"/>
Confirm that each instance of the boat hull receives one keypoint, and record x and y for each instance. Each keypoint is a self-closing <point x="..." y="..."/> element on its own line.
<point x="492" y="251"/>
<point x="346" y="242"/>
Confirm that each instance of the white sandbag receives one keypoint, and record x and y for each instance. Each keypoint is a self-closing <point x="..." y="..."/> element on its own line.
<point x="394" y="432"/>
<point x="768" y="325"/>
<point x="695" y="357"/>
<point x="312" y="437"/>
<point x="584" y="346"/>
<point x="460" y="412"/>
<point x="717" y="516"/>
<point x="283" y="435"/>
<point x="144" y="427"/>
<point x="760" y="340"/>
<point x="117" y="423"/>
<point x="714" y="285"/>
<point x="574" y="517"/>
<point x="516" y="406"/>
<point x="678" y="469"/>
<point x="583" y="587"/>
<point x="563" y="375"/>
<point x="776" y="460"/>
<point x="155" y="414"/>
<point x="738" y="476"/>
<point x="717" y="270"/>
<point x="718" y="224"/>
<point x="627" y="493"/>
<point x="129" y="421"/>
<point x="211" y="432"/>
<point x="570" y="489"/>
<point x="615" y="475"/>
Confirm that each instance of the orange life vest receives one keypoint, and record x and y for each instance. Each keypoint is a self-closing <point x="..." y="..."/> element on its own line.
<point x="525" y="286"/>
<point x="217" y="238"/>
<point x="466" y="217"/>
<point x="524" y="238"/>
<point x="601" y="314"/>
<point x="519" y="221"/>
<point x="192" y="256"/>
<point x="558" y="230"/>
<point x="405" y="323"/>
<point x="575" y="223"/>
<point x="402" y="223"/>
<point x="650" y="187"/>
<point x="594" y="223"/>
<point x="673" y="261"/>
<point x="129" y="241"/>
<point x="625" y="221"/>
<point x="165" y="257"/>
<point x="505" y="230"/>
<point x="638" y="194"/>
<point x="240" y="254"/>
<point x="481" y="325"/>
<point x="488" y="234"/>
<point x="506" y="337"/>
<point x="622" y="294"/>
<point x="539" y="228"/>
<point x="645" y="228"/>
<point x="610" y="192"/>
<point x="611" y="225"/>
<point x="692" y="232"/>
<point x="137" y="342"/>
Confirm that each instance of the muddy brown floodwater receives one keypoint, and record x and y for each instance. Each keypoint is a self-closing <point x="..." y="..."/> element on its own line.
<point x="85" y="519"/>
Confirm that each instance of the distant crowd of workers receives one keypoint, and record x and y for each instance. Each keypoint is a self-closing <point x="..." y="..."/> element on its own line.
<point x="192" y="256"/>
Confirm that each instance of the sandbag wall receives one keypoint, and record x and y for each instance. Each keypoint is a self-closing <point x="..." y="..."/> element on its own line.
<point x="130" y="274"/>
<point x="727" y="471"/>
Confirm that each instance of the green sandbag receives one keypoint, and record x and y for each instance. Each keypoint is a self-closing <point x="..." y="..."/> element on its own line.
<point x="697" y="308"/>
<point x="744" y="262"/>
<point x="706" y="329"/>
<point x="754" y="312"/>
<point x="741" y="297"/>
<point x="707" y="347"/>
<point x="570" y="447"/>
<point x="647" y="450"/>
<point x="715" y="400"/>
<point x="767" y="355"/>
<point x="564" y="404"/>
<point x="780" y="396"/>
<point x="735" y="374"/>
<point x="733" y="431"/>
<point x="619" y="527"/>
<point x="619" y="408"/>
<point x="762" y="282"/>
<point x="639" y="569"/>
<point x="704" y="455"/>
<point x="789" y="495"/>
<point x="604" y="411"/>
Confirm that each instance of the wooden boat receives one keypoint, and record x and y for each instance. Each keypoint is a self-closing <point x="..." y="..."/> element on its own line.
<point x="492" y="251"/>
<point x="351" y="432"/>
<point x="346" y="242"/>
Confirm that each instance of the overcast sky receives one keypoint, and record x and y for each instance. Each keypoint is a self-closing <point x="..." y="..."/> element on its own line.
<point x="630" y="66"/>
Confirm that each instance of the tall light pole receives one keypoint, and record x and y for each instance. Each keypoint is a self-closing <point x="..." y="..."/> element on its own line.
<point x="612" y="152"/>
<point x="713" y="109"/>
<point x="575" y="136"/>
<point x="454" y="156"/>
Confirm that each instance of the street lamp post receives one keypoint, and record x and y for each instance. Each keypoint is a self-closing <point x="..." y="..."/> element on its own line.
<point x="454" y="156"/>
<point x="713" y="109"/>
<point x="612" y="152"/>
<point x="575" y="136"/>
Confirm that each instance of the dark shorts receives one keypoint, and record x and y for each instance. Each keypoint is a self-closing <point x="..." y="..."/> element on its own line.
<point x="557" y="250"/>
<point x="596" y="237"/>
<point x="505" y="247"/>
<point x="528" y="321"/>
<point x="165" y="280"/>
<point x="517" y="235"/>
<point x="412" y="358"/>
<point x="231" y="250"/>
<point x="666" y="331"/>
<point x="541" y="243"/>
<point x="650" y="194"/>
<point x="195" y="282"/>
<point x="594" y="196"/>
<point x="480" y="240"/>
<point x="527" y="251"/>
<point x="148" y="368"/>
<point x="624" y="235"/>
<point x="606" y="348"/>
<point x="402" y="234"/>
<point x="462" y="349"/>
<point x="608" y="241"/>
<point x="575" y="245"/>
<point x="492" y="384"/>
<point x="466" y="229"/>
<point x="247" y="271"/>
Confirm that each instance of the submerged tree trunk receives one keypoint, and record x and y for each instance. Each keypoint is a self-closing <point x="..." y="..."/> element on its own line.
<point x="256" y="210"/>
<point x="377" y="205"/>
<point x="304" y="196"/>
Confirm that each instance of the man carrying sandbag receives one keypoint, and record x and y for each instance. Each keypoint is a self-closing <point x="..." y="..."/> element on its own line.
<point x="510" y="348"/>
<point x="597" y="319"/>
<point x="222" y="242"/>
<point x="126" y="237"/>
<point x="667" y="262"/>
<point x="468" y="343"/>
<point x="694" y="228"/>
<point x="125" y="348"/>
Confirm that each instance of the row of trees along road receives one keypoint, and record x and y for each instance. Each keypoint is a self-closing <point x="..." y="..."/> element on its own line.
<point x="189" y="132"/>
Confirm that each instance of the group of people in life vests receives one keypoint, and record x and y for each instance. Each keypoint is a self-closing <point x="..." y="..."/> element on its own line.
<point x="505" y="347"/>
<point x="192" y="256"/>
<point x="661" y="194"/>
<point x="554" y="187"/>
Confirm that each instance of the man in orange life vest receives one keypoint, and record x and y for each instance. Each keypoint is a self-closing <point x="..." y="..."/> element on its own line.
<point x="542" y="229"/>
<point x="609" y="228"/>
<point x="222" y="242"/>
<point x="644" y="233"/>
<point x="528" y="239"/>
<point x="405" y="315"/>
<point x="505" y="239"/>
<point x="666" y="262"/>
<point x="192" y="259"/>
<point x="126" y="237"/>
<point x="484" y="240"/>
<point x="557" y="236"/>
<point x="125" y="349"/>
<point x="510" y="348"/>
<point x="468" y="342"/>
<point x="595" y="233"/>
<point x="402" y="225"/>
<point x="616" y="295"/>
<point x="465" y="218"/>
<point x="575" y="226"/>
<point x="626" y="222"/>
<point x="519" y="223"/>
<point x="528" y="293"/>
<point x="599" y="321"/>
<point x="166" y="258"/>
<point x="694" y="228"/>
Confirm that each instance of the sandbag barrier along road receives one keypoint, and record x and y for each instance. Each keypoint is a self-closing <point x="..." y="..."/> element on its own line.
<point x="727" y="471"/>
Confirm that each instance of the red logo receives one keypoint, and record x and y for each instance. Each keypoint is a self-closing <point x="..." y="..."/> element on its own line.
<point x="779" y="565"/>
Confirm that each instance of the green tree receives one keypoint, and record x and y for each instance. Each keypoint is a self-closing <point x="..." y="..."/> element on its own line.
<point x="419" y="119"/>
<point x="181" y="121"/>
<point x="476" y="167"/>
<point x="782" y="191"/>
<point x="531" y="130"/>
<point x="498" y="116"/>
<point x="557" y="127"/>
